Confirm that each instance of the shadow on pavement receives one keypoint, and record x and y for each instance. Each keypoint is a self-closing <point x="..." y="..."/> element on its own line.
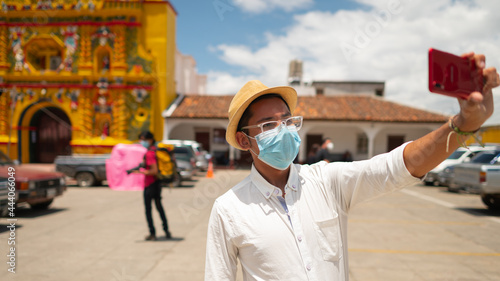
<point x="30" y="213"/>
<point x="164" y="239"/>
<point x="480" y="212"/>
<point x="90" y="187"/>
<point x="3" y="227"/>
<point x="185" y="185"/>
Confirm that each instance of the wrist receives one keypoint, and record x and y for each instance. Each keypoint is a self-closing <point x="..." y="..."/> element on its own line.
<point x="458" y="124"/>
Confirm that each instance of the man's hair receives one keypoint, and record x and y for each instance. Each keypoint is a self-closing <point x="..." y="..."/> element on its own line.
<point x="326" y="139"/>
<point x="245" y="117"/>
<point x="147" y="135"/>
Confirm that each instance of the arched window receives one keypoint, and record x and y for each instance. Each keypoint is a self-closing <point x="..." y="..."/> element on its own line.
<point x="102" y="59"/>
<point x="44" y="53"/>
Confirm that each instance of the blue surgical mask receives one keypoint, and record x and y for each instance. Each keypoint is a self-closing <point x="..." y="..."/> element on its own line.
<point x="278" y="147"/>
<point x="144" y="143"/>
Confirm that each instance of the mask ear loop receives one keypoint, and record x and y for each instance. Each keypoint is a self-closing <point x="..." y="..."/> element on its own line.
<point x="279" y="127"/>
<point x="250" y="143"/>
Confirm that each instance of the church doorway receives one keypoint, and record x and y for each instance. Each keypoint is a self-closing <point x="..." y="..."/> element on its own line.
<point x="50" y="135"/>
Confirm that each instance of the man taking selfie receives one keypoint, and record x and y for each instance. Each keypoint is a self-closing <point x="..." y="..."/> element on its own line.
<point x="288" y="221"/>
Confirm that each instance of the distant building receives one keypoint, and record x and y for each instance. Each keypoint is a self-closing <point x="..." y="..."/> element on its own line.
<point x="332" y="88"/>
<point x="362" y="125"/>
<point x="188" y="81"/>
<point x="490" y="131"/>
<point x="295" y="73"/>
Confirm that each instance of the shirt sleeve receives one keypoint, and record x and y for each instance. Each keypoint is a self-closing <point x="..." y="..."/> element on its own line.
<point x="150" y="157"/>
<point x="221" y="256"/>
<point x="359" y="181"/>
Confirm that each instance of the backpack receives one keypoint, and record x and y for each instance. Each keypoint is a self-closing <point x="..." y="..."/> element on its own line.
<point x="167" y="169"/>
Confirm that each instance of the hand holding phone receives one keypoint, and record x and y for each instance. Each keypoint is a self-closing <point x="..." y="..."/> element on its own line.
<point x="453" y="75"/>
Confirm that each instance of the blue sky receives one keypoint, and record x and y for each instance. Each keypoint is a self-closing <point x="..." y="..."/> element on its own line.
<point x="381" y="40"/>
<point x="204" y="24"/>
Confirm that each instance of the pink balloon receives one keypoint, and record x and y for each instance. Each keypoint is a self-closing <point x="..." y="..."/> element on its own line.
<point x="125" y="157"/>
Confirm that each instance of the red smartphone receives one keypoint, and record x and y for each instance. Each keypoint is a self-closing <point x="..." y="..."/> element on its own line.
<point x="452" y="75"/>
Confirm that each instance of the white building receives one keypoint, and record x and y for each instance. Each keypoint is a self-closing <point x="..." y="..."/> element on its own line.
<point x="353" y="114"/>
<point x="188" y="81"/>
<point x="364" y="125"/>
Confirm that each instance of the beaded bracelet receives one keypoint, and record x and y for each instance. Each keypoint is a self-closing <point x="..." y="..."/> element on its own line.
<point x="456" y="130"/>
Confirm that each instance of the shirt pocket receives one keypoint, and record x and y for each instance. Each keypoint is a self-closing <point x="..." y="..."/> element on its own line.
<point x="330" y="243"/>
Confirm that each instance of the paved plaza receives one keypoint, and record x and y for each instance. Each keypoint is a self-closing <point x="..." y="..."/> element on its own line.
<point x="420" y="233"/>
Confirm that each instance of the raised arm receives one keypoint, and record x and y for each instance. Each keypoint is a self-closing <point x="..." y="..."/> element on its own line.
<point x="424" y="154"/>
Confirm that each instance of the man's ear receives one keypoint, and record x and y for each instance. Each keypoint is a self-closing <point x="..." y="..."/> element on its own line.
<point x="243" y="140"/>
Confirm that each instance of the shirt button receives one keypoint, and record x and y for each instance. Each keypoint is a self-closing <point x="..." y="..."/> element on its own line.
<point x="267" y="193"/>
<point x="293" y="186"/>
<point x="299" y="238"/>
<point x="308" y="267"/>
<point x="276" y="191"/>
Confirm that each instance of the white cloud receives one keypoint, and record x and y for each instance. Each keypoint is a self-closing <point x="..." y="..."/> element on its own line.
<point x="387" y="42"/>
<point x="264" y="6"/>
<point x="225" y="83"/>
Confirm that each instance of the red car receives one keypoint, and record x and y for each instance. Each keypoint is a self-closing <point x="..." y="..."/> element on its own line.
<point x="36" y="187"/>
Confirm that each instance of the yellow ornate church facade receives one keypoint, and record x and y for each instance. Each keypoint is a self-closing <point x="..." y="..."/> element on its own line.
<point x="79" y="76"/>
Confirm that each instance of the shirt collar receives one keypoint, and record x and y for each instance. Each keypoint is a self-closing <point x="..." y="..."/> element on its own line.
<point x="266" y="188"/>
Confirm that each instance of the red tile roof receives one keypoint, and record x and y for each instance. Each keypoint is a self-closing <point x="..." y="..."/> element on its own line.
<point x="331" y="108"/>
<point x="203" y="107"/>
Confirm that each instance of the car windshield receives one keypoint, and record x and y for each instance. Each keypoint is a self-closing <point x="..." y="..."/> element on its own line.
<point x="484" y="157"/>
<point x="5" y="160"/>
<point x="183" y="152"/>
<point x="455" y="155"/>
<point x="495" y="160"/>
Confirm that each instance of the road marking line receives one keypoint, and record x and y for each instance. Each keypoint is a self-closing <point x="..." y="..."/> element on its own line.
<point x="412" y="222"/>
<point x="495" y="219"/>
<point x="439" y="202"/>
<point x="381" y="251"/>
<point x="429" y="198"/>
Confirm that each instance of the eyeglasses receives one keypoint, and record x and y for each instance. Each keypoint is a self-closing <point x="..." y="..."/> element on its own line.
<point x="295" y="121"/>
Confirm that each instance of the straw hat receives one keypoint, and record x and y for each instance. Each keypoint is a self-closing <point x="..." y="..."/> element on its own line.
<point x="248" y="93"/>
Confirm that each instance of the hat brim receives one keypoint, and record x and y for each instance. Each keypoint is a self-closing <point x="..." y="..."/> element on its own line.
<point x="287" y="93"/>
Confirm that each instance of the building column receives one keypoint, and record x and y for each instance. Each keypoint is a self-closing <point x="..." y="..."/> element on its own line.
<point x="85" y="60"/>
<point x="119" y="67"/>
<point x="4" y="50"/>
<point x="120" y="116"/>
<point x="371" y="133"/>
<point x="4" y="113"/>
<point x="86" y="113"/>
<point x="232" y="156"/>
<point x="303" y="136"/>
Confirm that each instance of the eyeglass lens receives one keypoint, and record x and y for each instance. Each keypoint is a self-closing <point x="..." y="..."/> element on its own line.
<point x="292" y="121"/>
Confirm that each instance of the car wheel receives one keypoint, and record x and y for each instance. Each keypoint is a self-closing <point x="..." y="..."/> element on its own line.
<point x="492" y="202"/>
<point x="85" y="179"/>
<point x="41" y="206"/>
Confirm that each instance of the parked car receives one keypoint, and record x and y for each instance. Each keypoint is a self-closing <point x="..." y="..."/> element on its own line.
<point x="87" y="170"/>
<point x="185" y="160"/>
<point x="4" y="197"/>
<point x="466" y="176"/>
<point x="36" y="187"/>
<point x="202" y="156"/>
<point x="489" y="183"/>
<point x="446" y="175"/>
<point x="461" y="155"/>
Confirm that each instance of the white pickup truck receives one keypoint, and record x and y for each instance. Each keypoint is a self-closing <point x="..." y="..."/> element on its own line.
<point x="483" y="179"/>
<point x="461" y="155"/>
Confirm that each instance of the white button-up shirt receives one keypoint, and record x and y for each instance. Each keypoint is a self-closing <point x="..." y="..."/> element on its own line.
<point x="302" y="236"/>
